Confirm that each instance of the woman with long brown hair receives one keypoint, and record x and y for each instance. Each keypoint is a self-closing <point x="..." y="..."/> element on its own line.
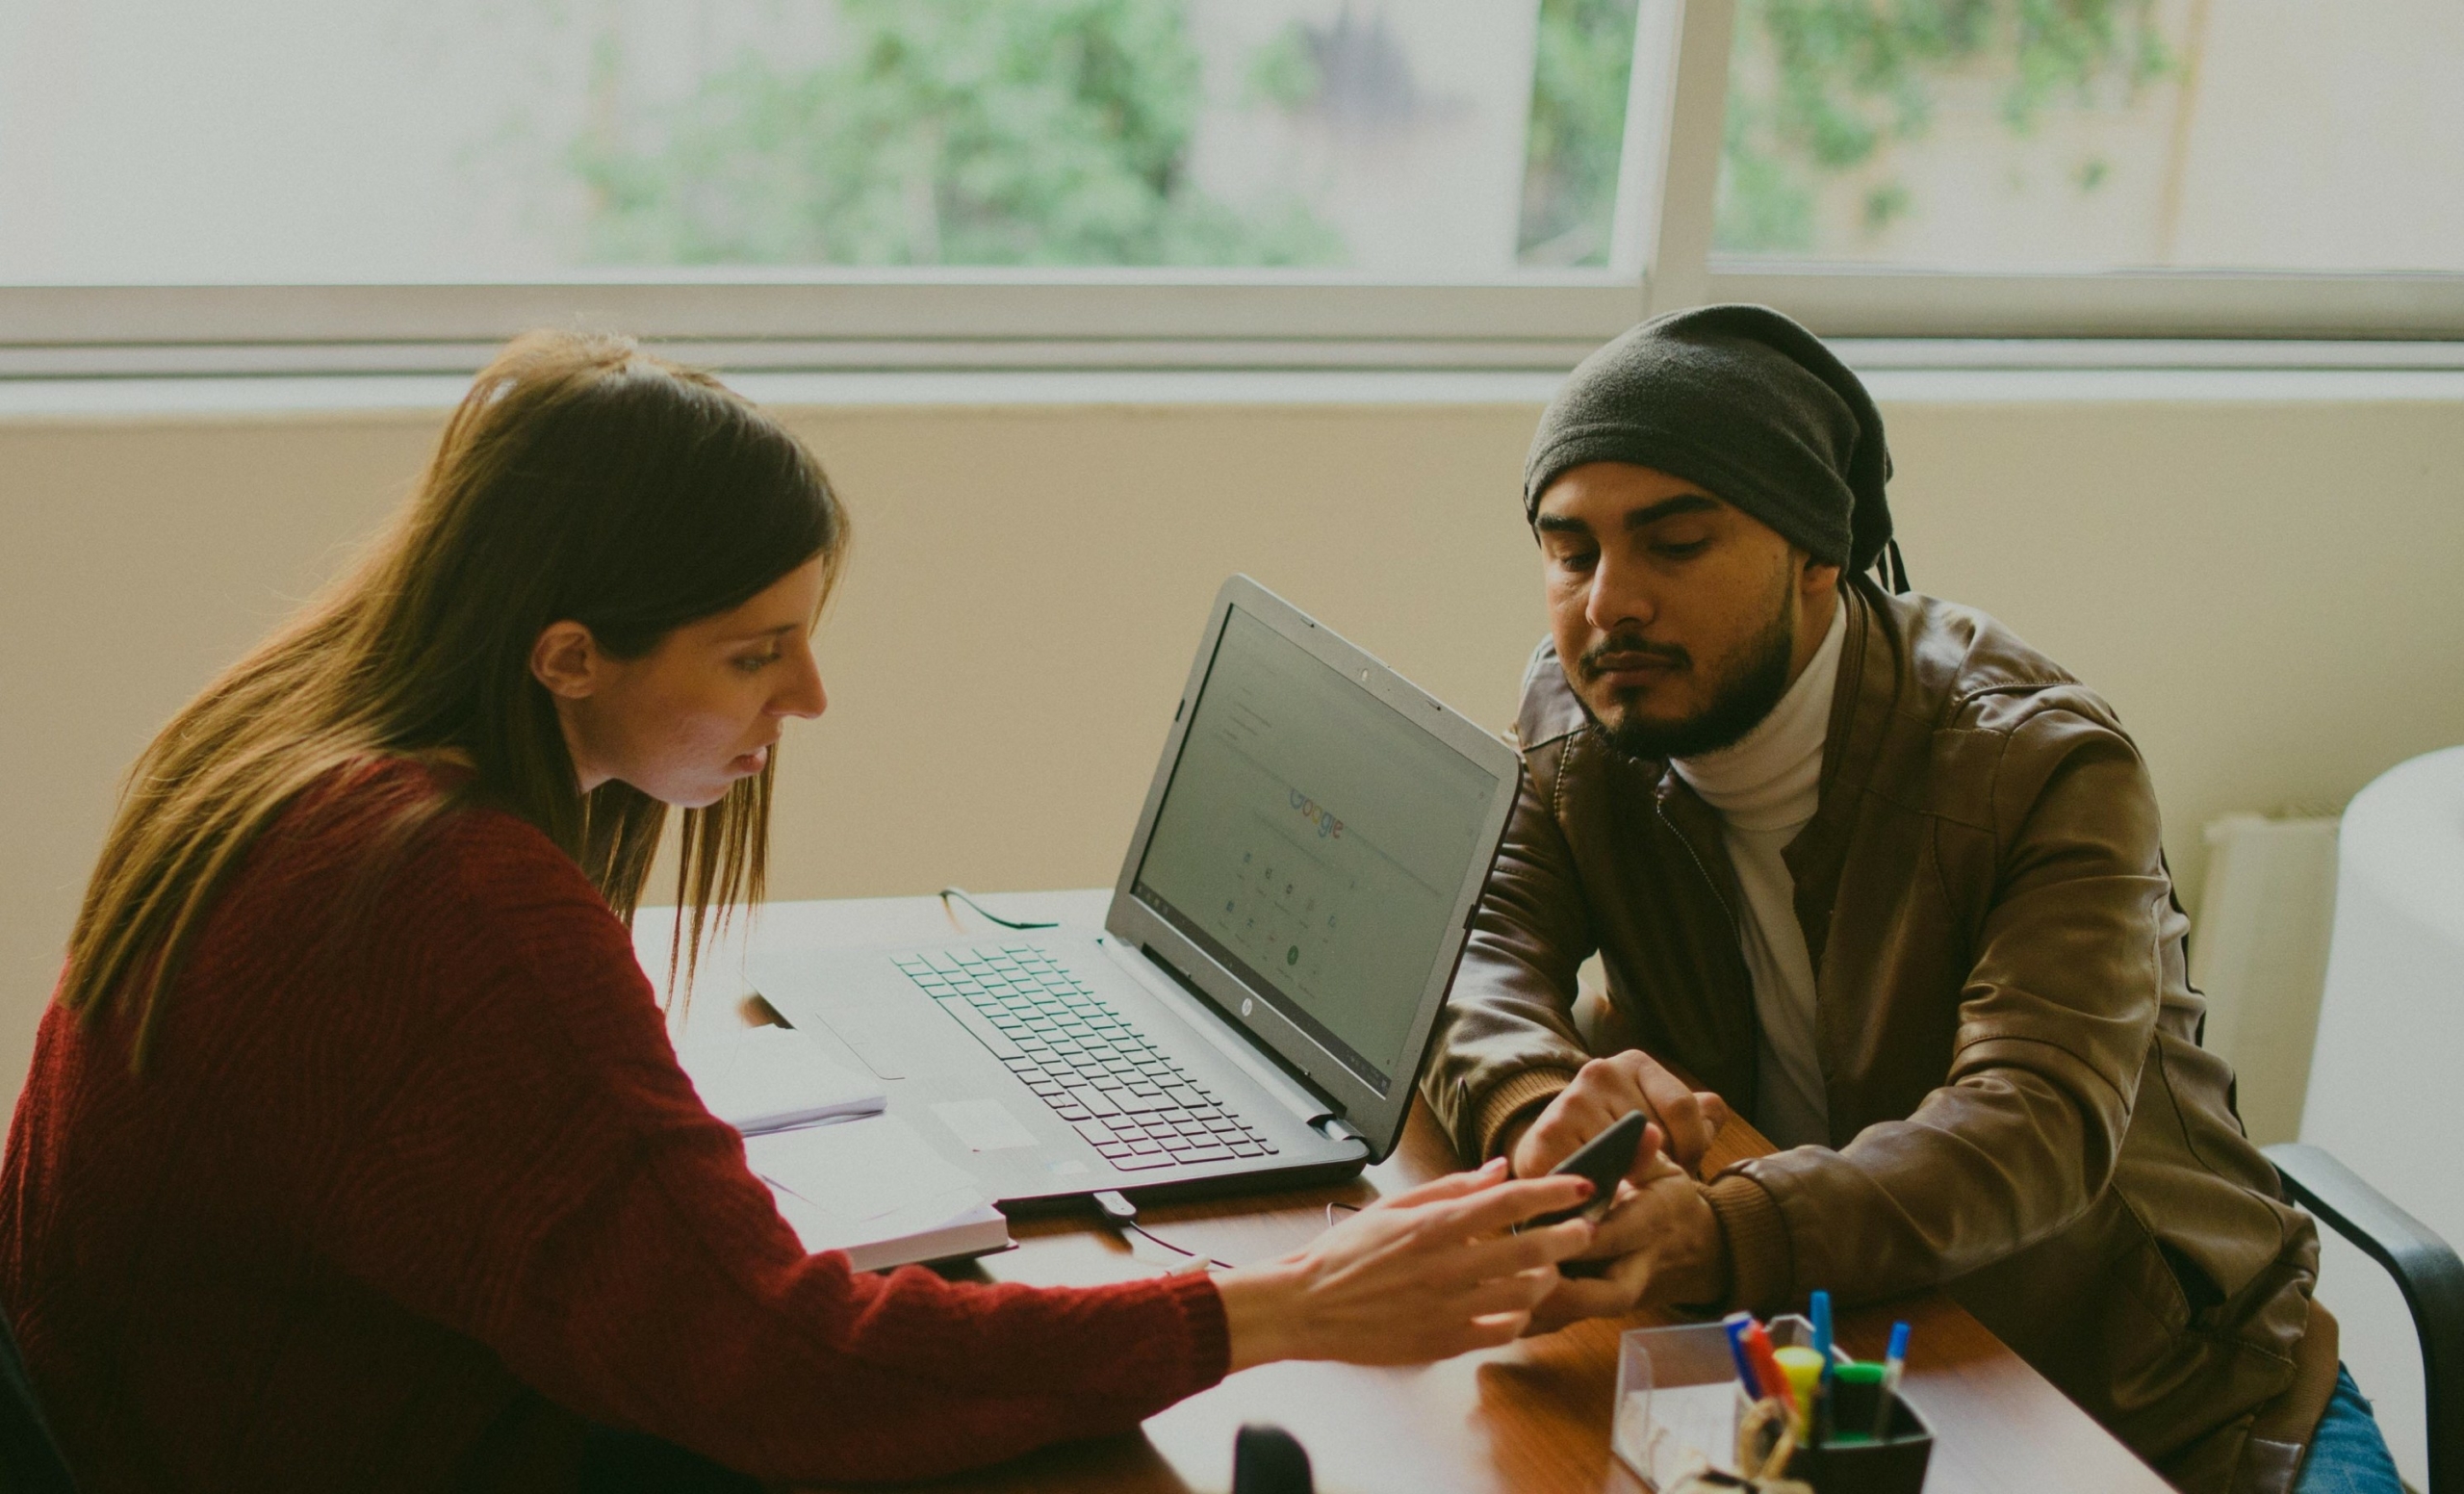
<point x="354" y="1153"/>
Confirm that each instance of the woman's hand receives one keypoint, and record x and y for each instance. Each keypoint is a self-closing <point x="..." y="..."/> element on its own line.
<point x="1424" y="1275"/>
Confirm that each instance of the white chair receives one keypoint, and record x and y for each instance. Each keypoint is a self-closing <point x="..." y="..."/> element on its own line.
<point x="2384" y="1087"/>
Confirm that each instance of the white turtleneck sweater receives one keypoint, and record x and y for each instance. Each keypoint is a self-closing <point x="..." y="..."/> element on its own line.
<point x="1765" y="787"/>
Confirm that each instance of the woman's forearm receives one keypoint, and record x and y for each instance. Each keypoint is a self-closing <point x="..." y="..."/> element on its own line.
<point x="1262" y="1317"/>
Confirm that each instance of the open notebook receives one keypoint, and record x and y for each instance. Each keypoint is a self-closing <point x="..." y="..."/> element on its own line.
<point x="846" y="1175"/>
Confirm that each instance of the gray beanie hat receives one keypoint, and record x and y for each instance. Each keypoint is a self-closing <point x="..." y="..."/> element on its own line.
<point x="1744" y="401"/>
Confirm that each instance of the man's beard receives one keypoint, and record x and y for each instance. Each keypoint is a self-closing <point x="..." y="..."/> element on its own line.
<point x="1738" y="703"/>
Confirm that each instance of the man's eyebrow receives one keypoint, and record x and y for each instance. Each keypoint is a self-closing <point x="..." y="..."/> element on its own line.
<point x="1640" y="518"/>
<point x="1669" y="508"/>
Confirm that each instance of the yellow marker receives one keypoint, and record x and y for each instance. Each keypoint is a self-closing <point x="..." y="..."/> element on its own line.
<point x="1803" y="1369"/>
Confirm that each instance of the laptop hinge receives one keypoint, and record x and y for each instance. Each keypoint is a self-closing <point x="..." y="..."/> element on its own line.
<point x="1337" y="1129"/>
<point x="1175" y="989"/>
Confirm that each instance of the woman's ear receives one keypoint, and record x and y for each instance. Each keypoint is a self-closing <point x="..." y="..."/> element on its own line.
<point x="566" y="659"/>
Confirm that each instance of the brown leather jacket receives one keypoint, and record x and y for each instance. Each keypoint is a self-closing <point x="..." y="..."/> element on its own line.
<point x="2020" y="1112"/>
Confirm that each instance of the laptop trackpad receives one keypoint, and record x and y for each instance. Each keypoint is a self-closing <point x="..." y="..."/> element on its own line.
<point x="984" y="1125"/>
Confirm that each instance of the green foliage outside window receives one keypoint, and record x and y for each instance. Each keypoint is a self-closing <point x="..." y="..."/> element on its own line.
<point x="1057" y="132"/>
<point x="1579" y="82"/>
<point x="947" y="132"/>
<point x="1850" y="78"/>
<point x="1285" y="73"/>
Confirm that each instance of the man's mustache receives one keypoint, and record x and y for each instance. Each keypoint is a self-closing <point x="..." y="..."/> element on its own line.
<point x="1593" y="662"/>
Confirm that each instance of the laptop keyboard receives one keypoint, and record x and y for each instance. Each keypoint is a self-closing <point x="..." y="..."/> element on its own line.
<point x="1125" y="1096"/>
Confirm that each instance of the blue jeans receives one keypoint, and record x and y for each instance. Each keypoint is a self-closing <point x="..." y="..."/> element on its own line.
<point x="2346" y="1454"/>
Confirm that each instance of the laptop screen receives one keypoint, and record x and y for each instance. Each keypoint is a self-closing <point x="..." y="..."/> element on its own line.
<point x="1313" y="842"/>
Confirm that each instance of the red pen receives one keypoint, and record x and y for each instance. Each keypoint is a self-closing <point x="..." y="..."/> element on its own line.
<point x="1767" y="1367"/>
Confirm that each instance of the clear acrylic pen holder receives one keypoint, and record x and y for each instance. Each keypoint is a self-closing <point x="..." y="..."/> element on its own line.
<point x="1679" y="1403"/>
<point x="1676" y="1403"/>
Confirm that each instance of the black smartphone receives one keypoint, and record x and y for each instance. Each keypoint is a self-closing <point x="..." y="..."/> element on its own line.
<point x="1604" y="1159"/>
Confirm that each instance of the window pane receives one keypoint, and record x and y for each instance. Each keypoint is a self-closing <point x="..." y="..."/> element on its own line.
<point x="1584" y="59"/>
<point x="221" y="141"/>
<point x="2022" y="134"/>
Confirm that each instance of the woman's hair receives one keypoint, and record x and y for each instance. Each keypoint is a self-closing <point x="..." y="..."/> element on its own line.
<point x="580" y="479"/>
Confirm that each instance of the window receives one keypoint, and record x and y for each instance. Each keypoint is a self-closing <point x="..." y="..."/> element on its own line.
<point x="2113" y="164"/>
<point x="2095" y="134"/>
<point x="1209" y="183"/>
<point x="247" y="140"/>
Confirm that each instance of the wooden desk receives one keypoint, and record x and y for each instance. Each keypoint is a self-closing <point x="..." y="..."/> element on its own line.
<point x="1530" y="1417"/>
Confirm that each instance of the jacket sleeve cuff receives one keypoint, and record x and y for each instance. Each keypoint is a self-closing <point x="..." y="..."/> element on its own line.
<point x="1512" y="1097"/>
<point x="1756" y="1236"/>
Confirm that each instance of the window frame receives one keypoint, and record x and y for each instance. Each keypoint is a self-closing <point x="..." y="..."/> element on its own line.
<point x="825" y="322"/>
<point x="835" y="320"/>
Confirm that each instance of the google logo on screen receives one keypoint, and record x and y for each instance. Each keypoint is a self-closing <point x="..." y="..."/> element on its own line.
<point x="1329" y="828"/>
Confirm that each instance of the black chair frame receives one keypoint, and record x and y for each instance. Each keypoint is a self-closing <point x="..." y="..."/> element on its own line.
<point x="2426" y="1271"/>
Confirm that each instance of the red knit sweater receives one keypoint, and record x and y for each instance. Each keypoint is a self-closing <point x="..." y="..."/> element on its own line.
<point x="402" y="1213"/>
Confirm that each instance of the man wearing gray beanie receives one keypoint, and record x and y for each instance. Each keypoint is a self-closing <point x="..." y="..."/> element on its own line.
<point x="1864" y="867"/>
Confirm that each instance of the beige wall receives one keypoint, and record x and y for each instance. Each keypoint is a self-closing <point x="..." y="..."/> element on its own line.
<point x="2266" y="591"/>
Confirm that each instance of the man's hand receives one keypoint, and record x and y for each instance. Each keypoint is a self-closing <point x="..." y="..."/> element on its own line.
<point x="1664" y="1245"/>
<point x="1602" y="1092"/>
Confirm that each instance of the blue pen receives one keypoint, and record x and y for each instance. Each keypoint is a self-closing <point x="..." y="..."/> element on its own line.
<point x="1821" y="1308"/>
<point x="1736" y="1323"/>
<point x="1894" y="1364"/>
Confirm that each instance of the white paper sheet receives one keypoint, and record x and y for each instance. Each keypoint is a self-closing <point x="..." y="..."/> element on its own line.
<point x="769" y="1078"/>
<point x="862" y="1182"/>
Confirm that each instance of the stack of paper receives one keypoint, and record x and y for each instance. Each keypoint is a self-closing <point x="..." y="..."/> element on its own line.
<point x="773" y="1078"/>
<point x="846" y="1177"/>
<point x="876" y="1190"/>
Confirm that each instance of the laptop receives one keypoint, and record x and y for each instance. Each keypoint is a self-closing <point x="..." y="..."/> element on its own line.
<point x="1257" y="1007"/>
